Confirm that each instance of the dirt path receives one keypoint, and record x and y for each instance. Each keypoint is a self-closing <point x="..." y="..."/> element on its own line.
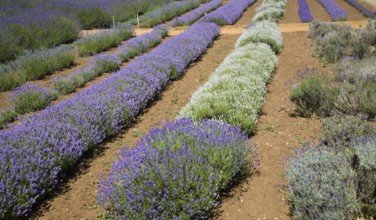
<point x="277" y="135"/>
<point x="371" y="4"/>
<point x="354" y="14"/>
<point x="292" y="7"/>
<point x="318" y="11"/>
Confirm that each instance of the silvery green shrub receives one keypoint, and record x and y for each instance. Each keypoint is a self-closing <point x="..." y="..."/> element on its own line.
<point x="264" y="32"/>
<point x="235" y="92"/>
<point x="339" y="130"/>
<point x="320" y="185"/>
<point x="273" y="14"/>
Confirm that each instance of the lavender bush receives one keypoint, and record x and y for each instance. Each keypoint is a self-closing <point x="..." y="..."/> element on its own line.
<point x="335" y="12"/>
<point x="195" y="14"/>
<point x="228" y="13"/>
<point x="168" y="12"/>
<point x="361" y="8"/>
<point x="103" y="63"/>
<point x="304" y="11"/>
<point x="35" y="65"/>
<point x="339" y="131"/>
<point x="102" y="41"/>
<point x="263" y="31"/>
<point x="271" y="11"/>
<point x="31" y="97"/>
<point x="176" y="171"/>
<point x="35" y="153"/>
<point x="7" y="116"/>
<point x="320" y="185"/>
<point x="138" y="45"/>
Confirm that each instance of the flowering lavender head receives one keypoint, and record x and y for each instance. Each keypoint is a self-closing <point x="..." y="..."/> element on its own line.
<point x="175" y="171"/>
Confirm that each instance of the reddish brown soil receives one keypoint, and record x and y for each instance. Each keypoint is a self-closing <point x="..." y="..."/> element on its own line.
<point x="291" y="13"/>
<point x="354" y="14"/>
<point x="318" y="11"/>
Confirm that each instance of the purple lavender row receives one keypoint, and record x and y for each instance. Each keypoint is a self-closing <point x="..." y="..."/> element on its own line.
<point x="195" y="14"/>
<point x="361" y="8"/>
<point x="34" y="154"/>
<point x="229" y="13"/>
<point x="304" y="11"/>
<point x="102" y="63"/>
<point x="335" y="12"/>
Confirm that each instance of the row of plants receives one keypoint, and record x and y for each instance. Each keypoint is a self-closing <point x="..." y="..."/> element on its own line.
<point x="37" y="98"/>
<point x="38" y="24"/>
<point x="168" y="12"/>
<point x="332" y="42"/>
<point x="334" y="177"/>
<point x="228" y="13"/>
<point x="235" y="92"/>
<point x="196" y="14"/>
<point x="361" y="8"/>
<point x="37" y="152"/>
<point x="271" y="10"/>
<point x="37" y="64"/>
<point x="178" y="170"/>
<point x="305" y="14"/>
<point x="335" y="12"/>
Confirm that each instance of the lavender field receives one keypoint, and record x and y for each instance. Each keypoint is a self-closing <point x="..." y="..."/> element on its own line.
<point x="97" y="127"/>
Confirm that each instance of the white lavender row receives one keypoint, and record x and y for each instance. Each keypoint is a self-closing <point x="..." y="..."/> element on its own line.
<point x="335" y="12"/>
<point x="36" y="153"/>
<point x="228" y="13"/>
<point x="235" y="92"/>
<point x="195" y="14"/>
<point x="270" y="10"/>
<point x="265" y="32"/>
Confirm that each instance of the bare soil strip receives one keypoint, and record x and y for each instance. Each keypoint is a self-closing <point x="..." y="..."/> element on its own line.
<point x="262" y="196"/>
<point x="353" y="13"/>
<point x="292" y="7"/>
<point x="318" y="11"/>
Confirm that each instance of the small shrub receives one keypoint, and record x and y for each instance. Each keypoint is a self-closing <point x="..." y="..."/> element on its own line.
<point x="34" y="65"/>
<point x="357" y="98"/>
<point x="102" y="41"/>
<point x="314" y="95"/>
<point x="319" y="185"/>
<point x="338" y="131"/>
<point x="6" y="117"/>
<point x="176" y="171"/>
<point x="31" y="97"/>
<point x="353" y="70"/>
<point x="332" y="42"/>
